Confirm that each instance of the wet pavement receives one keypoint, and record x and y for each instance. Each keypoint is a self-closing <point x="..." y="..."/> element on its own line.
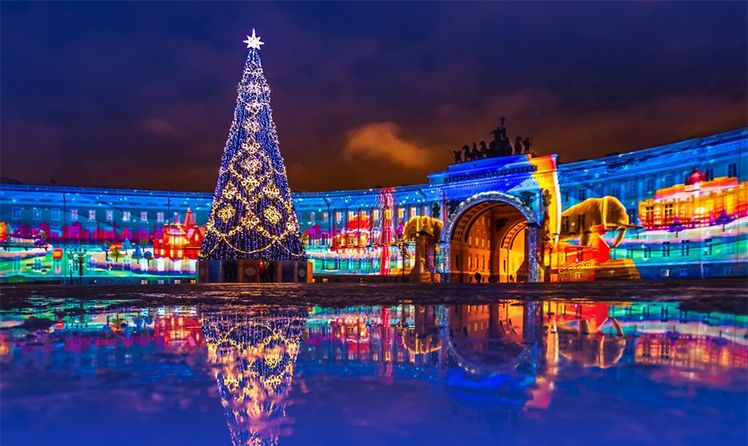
<point x="616" y="363"/>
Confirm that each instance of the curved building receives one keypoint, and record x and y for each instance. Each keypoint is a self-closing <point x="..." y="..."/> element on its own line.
<point x="674" y="211"/>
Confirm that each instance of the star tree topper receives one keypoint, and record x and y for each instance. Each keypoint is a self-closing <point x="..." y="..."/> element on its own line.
<point x="253" y="41"/>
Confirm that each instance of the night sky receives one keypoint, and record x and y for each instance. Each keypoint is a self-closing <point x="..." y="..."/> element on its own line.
<point x="141" y="94"/>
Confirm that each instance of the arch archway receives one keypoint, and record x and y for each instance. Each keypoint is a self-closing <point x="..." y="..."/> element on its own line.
<point x="495" y="338"/>
<point x="493" y="234"/>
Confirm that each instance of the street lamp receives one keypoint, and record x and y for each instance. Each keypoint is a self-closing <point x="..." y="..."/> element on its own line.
<point x="77" y="254"/>
<point x="402" y="245"/>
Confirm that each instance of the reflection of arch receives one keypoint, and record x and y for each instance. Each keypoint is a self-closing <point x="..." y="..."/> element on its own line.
<point x="458" y="225"/>
<point x="517" y="352"/>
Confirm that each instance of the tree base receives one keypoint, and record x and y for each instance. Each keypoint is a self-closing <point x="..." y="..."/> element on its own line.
<point x="254" y="271"/>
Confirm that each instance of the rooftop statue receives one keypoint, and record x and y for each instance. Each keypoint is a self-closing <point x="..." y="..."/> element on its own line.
<point x="518" y="145"/>
<point x="499" y="146"/>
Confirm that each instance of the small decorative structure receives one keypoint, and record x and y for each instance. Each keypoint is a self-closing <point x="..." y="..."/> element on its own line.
<point x="180" y="240"/>
<point x="425" y="231"/>
<point x="252" y="220"/>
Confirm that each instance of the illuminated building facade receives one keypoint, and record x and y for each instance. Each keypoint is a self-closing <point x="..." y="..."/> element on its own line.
<point x="646" y="214"/>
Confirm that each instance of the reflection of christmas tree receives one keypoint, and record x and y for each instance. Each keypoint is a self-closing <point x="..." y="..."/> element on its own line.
<point x="252" y="215"/>
<point x="255" y="357"/>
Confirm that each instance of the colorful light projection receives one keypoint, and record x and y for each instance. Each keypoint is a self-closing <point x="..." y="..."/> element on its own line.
<point x="252" y="216"/>
<point x="180" y="240"/>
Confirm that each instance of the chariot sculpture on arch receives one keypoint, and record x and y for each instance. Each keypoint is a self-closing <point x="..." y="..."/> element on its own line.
<point x="499" y="146"/>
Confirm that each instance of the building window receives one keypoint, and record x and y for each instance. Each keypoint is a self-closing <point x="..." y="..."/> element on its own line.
<point x="109" y="215"/>
<point x="630" y="252"/>
<point x="375" y="214"/>
<point x="631" y="188"/>
<point x="16" y="213"/>
<point x="633" y="214"/>
<point x="73" y="214"/>
<point x="665" y="272"/>
<point x="351" y="215"/>
<point x="650" y="185"/>
<point x="732" y="170"/>
<point x="565" y="223"/>
<point x="668" y="180"/>
<point x="363" y="215"/>
<point x="685" y="248"/>
<point x="669" y="213"/>
<point x="126" y="216"/>
<point x="580" y="222"/>
<point x="160" y="217"/>
<point x="709" y="174"/>
<point x="338" y="216"/>
<point x="413" y="211"/>
<point x="728" y="271"/>
<point x="55" y="214"/>
<point x="648" y="251"/>
<point x="400" y="213"/>
<point x="37" y="214"/>
<point x="144" y="216"/>
<point x="708" y="247"/>
<point x="311" y="217"/>
<point x="91" y="215"/>
<point x="324" y="216"/>
<point x="581" y="194"/>
<point x="666" y="249"/>
<point x="649" y="215"/>
<point x="683" y="272"/>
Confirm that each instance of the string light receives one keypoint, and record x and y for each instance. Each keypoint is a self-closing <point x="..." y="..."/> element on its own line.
<point x="252" y="215"/>
<point x="255" y="358"/>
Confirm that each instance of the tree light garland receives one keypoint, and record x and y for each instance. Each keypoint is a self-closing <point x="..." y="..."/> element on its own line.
<point x="255" y="356"/>
<point x="252" y="215"/>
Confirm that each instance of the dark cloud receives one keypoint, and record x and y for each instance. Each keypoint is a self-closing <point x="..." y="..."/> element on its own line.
<point x="141" y="94"/>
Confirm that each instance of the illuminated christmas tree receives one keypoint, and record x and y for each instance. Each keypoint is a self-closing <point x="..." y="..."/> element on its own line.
<point x="252" y="216"/>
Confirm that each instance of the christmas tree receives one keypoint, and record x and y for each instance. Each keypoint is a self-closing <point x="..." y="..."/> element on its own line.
<point x="252" y="216"/>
